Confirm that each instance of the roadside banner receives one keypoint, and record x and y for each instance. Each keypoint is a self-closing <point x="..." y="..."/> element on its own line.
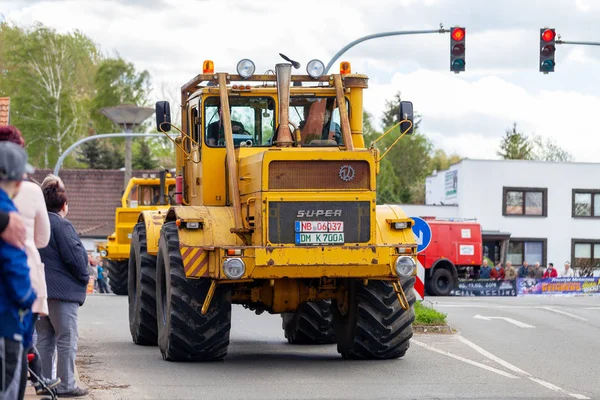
<point x="572" y="286"/>
<point x="485" y="287"/>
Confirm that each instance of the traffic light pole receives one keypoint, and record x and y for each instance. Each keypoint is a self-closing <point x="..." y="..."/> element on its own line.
<point x="581" y="43"/>
<point x="379" y="35"/>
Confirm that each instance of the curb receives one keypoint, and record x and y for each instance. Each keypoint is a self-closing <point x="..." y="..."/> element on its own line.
<point x="443" y="329"/>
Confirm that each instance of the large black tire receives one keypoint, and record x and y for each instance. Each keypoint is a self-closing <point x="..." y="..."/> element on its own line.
<point x="142" y="290"/>
<point x="184" y="334"/>
<point x="117" y="276"/>
<point x="441" y="283"/>
<point x="374" y="325"/>
<point x="312" y="323"/>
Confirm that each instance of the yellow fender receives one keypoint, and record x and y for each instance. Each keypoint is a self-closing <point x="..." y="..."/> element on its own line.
<point x="386" y="234"/>
<point x="198" y="244"/>
<point x="154" y="220"/>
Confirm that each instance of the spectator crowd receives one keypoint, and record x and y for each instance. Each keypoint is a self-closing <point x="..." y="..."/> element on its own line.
<point x="509" y="272"/>
<point x="44" y="273"/>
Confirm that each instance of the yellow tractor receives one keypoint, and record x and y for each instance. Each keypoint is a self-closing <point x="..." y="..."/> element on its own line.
<point x="146" y="193"/>
<point x="275" y="210"/>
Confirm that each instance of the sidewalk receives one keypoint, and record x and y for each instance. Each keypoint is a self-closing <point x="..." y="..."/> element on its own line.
<point x="30" y="390"/>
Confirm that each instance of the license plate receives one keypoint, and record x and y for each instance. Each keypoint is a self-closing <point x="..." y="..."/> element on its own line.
<point x="320" y="226"/>
<point x="315" y="238"/>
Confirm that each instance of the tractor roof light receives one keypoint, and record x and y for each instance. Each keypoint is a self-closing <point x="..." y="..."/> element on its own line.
<point x="245" y="68"/>
<point x="315" y="68"/>
<point x="208" y="67"/>
<point x="345" y="68"/>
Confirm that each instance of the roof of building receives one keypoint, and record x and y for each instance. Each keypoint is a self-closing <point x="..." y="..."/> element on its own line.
<point x="93" y="197"/>
<point x="4" y="110"/>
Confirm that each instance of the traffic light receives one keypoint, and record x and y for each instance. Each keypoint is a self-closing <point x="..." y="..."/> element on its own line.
<point x="457" y="49"/>
<point x="547" y="50"/>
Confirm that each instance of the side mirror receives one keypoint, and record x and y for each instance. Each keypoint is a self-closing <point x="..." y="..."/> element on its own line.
<point x="163" y="116"/>
<point x="406" y="113"/>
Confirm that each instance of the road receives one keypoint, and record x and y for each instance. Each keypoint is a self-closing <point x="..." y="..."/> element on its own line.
<point x="555" y="356"/>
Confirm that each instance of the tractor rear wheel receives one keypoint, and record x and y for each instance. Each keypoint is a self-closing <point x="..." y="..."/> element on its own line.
<point x="117" y="276"/>
<point x="312" y="323"/>
<point x="142" y="290"/>
<point x="373" y="325"/>
<point x="184" y="334"/>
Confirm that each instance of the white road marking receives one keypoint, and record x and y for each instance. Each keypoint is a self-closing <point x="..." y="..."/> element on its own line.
<point x="564" y="313"/>
<point x="509" y="320"/>
<point x="518" y="370"/>
<point x="465" y="360"/>
<point x="492" y="357"/>
<point x="557" y="389"/>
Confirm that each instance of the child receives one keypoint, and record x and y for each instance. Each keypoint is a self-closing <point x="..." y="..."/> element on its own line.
<point x="17" y="299"/>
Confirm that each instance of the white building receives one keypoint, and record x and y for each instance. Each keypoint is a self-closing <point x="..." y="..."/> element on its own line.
<point x="550" y="209"/>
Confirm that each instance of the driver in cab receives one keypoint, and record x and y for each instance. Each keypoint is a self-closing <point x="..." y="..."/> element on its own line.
<point x="215" y="131"/>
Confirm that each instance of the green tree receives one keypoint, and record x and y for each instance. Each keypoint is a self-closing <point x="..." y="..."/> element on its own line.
<point x="515" y="145"/>
<point x="49" y="78"/>
<point x="143" y="158"/>
<point x="441" y="161"/>
<point x="404" y="169"/>
<point x="117" y="82"/>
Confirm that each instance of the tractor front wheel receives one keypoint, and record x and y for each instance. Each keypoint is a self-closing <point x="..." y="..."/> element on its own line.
<point x="184" y="334"/>
<point x="371" y="324"/>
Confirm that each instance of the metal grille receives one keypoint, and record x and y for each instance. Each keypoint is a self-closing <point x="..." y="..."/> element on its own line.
<point x="319" y="175"/>
<point x="356" y="216"/>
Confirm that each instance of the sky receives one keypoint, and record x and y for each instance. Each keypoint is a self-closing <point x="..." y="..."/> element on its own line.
<point x="466" y="113"/>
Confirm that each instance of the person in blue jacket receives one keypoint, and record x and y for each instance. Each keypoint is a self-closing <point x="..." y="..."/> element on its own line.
<point x="16" y="294"/>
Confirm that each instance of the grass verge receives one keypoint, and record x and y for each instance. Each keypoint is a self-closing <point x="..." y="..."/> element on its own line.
<point x="425" y="315"/>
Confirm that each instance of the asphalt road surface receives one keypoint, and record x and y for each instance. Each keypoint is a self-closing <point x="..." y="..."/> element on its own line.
<point x="532" y="348"/>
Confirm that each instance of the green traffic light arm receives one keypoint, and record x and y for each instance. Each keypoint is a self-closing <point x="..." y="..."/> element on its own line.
<point x="378" y="35"/>
<point x="559" y="41"/>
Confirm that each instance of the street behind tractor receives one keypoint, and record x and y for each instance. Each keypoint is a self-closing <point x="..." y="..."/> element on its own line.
<point x="276" y="211"/>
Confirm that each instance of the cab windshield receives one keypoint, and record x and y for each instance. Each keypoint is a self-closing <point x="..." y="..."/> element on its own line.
<point x="252" y="121"/>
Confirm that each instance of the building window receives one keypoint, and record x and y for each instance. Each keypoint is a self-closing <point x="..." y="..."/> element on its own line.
<point x="530" y="250"/>
<point x="524" y="202"/>
<point x="586" y="203"/>
<point x="586" y="255"/>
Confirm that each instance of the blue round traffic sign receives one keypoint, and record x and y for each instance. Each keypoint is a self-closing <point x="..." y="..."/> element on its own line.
<point x="422" y="232"/>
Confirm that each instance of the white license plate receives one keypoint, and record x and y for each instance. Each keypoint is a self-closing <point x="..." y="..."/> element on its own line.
<point x="319" y="238"/>
<point x="320" y="226"/>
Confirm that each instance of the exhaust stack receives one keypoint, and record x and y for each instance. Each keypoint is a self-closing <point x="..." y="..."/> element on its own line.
<point x="284" y="78"/>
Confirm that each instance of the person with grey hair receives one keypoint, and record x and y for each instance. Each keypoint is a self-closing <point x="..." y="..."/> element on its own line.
<point x="568" y="271"/>
<point x="537" y="272"/>
<point x="67" y="277"/>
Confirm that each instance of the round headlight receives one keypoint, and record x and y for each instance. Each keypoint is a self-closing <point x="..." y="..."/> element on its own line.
<point x="234" y="268"/>
<point x="315" y="68"/>
<point x="103" y="253"/>
<point x="245" y="68"/>
<point x="405" y="266"/>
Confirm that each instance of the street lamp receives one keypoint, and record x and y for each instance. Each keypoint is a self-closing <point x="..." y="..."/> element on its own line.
<point x="127" y="116"/>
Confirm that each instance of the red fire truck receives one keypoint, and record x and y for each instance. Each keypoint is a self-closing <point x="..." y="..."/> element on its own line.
<point x="456" y="251"/>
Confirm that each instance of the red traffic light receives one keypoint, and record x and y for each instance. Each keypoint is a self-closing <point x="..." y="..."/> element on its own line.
<point x="458" y="34"/>
<point x="548" y="35"/>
